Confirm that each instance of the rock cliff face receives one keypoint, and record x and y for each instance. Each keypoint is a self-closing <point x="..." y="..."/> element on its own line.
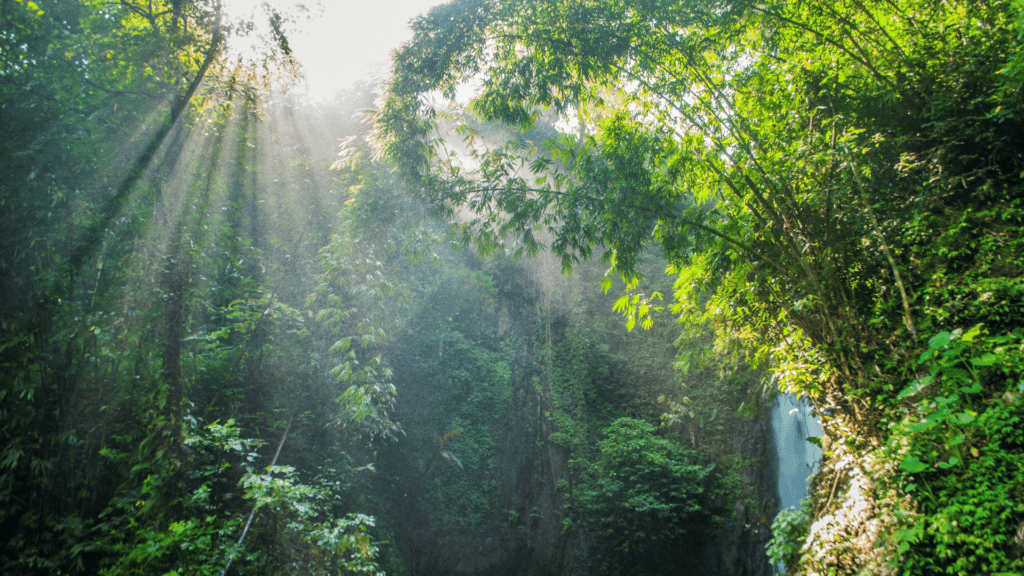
<point x="519" y="466"/>
<point x="529" y="465"/>
<point x="740" y="550"/>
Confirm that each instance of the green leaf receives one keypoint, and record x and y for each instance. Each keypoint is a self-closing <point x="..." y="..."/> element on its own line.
<point x="913" y="465"/>
<point x="915" y="387"/>
<point x="972" y="389"/>
<point x="938" y="341"/>
<point x="965" y="417"/>
<point x="987" y="359"/>
<point x="969" y="336"/>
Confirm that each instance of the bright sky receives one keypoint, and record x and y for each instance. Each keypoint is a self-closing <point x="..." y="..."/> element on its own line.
<point x="345" y="40"/>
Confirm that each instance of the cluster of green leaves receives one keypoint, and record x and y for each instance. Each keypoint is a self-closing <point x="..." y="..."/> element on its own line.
<point x="718" y="416"/>
<point x="789" y="530"/>
<point x="356" y="363"/>
<point x="223" y="492"/>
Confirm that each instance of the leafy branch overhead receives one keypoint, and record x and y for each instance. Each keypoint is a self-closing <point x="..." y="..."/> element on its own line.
<point x="776" y="154"/>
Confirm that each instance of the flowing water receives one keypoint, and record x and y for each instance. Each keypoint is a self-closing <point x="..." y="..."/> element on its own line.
<point x="793" y="422"/>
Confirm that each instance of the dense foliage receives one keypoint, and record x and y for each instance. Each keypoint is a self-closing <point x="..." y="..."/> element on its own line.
<point x="219" y="355"/>
<point x="226" y="349"/>
<point x="837" y="187"/>
<point x="151" y="358"/>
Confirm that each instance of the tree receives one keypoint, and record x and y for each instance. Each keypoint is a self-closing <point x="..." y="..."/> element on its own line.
<point x="640" y="501"/>
<point x="739" y="146"/>
<point x="78" y="76"/>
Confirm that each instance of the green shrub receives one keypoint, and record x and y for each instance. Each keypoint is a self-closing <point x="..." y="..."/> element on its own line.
<point x="789" y="530"/>
<point x="639" y="497"/>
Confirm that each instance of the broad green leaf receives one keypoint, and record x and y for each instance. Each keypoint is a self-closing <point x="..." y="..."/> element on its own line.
<point x="913" y="465"/>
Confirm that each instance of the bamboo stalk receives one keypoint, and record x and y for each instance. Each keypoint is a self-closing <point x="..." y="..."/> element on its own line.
<point x="907" y="318"/>
<point x="252" y="514"/>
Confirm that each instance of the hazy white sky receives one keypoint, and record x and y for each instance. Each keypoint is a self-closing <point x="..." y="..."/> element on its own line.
<point x="345" y="40"/>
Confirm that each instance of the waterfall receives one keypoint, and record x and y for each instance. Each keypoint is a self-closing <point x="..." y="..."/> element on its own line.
<point x="793" y="423"/>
